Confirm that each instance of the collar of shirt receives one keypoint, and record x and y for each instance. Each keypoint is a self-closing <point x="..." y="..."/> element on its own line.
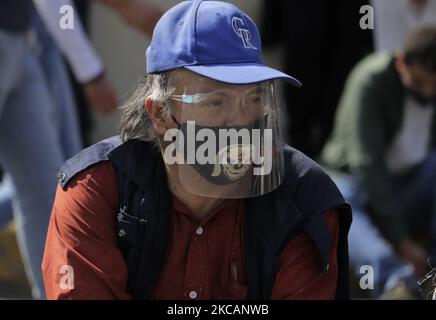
<point x="180" y="208"/>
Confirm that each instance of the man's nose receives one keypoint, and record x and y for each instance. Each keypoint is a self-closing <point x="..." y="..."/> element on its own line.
<point x="429" y="91"/>
<point x="238" y="115"/>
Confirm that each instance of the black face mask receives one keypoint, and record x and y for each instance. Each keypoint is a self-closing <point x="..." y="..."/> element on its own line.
<point x="421" y="99"/>
<point x="219" y="174"/>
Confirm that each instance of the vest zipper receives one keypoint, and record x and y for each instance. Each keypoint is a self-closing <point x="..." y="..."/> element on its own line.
<point x="271" y="280"/>
<point x="234" y="271"/>
<point x="140" y="240"/>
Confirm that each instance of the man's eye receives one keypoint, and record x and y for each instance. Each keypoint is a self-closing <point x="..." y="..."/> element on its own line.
<point x="417" y="83"/>
<point x="214" y="102"/>
<point x="255" y="100"/>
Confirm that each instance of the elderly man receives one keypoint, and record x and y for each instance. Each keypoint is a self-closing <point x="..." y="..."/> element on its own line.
<point x="198" y="198"/>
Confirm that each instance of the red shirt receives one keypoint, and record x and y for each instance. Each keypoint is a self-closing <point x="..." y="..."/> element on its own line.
<point x="205" y="260"/>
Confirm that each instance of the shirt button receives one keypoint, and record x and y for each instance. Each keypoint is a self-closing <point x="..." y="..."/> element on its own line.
<point x="199" y="231"/>
<point x="193" y="294"/>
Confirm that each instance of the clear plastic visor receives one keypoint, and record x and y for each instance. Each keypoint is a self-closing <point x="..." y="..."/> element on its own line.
<point x="228" y="144"/>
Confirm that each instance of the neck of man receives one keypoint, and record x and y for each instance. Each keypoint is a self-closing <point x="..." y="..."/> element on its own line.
<point x="200" y="206"/>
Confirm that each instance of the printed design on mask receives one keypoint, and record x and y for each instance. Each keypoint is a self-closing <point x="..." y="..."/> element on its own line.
<point x="234" y="161"/>
<point x="220" y="155"/>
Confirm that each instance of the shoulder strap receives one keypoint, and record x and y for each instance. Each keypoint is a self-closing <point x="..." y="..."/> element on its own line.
<point x="143" y="223"/>
<point x="87" y="157"/>
<point x="274" y="219"/>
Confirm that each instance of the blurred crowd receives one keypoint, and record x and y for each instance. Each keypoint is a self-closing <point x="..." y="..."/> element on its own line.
<point x="366" y="112"/>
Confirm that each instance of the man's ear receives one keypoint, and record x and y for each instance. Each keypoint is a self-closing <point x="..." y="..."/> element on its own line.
<point x="159" y="115"/>
<point x="148" y="104"/>
<point x="400" y="63"/>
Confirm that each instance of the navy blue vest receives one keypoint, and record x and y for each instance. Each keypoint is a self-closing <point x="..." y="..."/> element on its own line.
<point x="270" y="221"/>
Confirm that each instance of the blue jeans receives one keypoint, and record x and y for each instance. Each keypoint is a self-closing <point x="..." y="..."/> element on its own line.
<point x="7" y="192"/>
<point x="64" y="107"/>
<point x="416" y="194"/>
<point x="64" y="110"/>
<point x="30" y="151"/>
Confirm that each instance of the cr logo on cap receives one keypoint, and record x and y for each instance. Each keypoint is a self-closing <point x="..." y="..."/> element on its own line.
<point x="244" y="34"/>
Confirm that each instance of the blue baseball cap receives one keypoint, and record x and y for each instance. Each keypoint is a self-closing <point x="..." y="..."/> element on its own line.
<point x="211" y="38"/>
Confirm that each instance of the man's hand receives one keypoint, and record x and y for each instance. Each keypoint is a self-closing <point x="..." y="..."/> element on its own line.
<point x="414" y="254"/>
<point x="101" y="95"/>
<point x="418" y="5"/>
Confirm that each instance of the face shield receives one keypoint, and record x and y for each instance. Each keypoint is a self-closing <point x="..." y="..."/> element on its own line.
<point x="228" y="143"/>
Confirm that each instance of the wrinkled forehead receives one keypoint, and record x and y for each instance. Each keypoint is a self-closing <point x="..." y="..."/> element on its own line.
<point x="188" y="80"/>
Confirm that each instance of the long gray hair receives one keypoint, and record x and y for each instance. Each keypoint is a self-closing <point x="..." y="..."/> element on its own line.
<point x="135" y="122"/>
